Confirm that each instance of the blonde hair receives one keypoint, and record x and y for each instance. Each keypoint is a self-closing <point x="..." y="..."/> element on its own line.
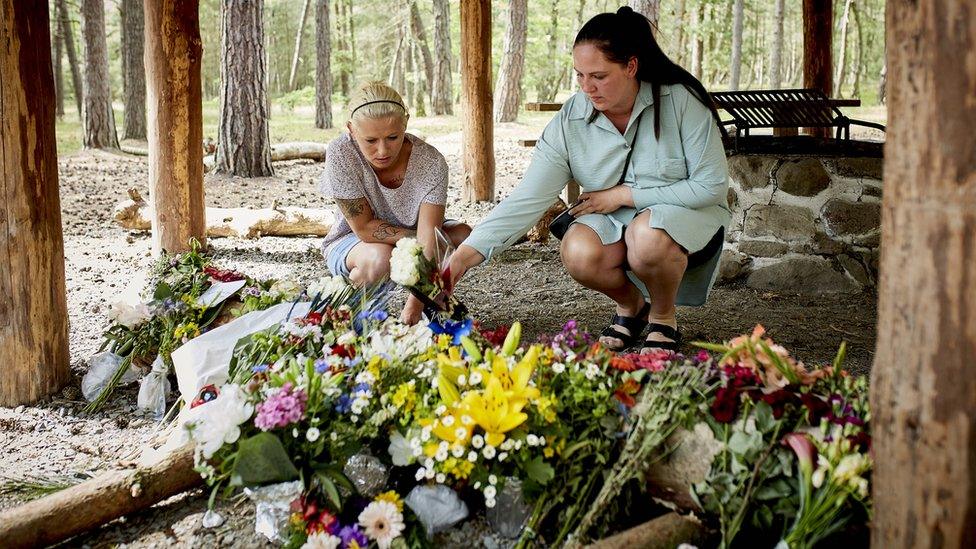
<point x="376" y="100"/>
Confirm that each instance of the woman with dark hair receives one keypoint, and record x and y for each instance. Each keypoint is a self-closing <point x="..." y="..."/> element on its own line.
<point x="642" y="139"/>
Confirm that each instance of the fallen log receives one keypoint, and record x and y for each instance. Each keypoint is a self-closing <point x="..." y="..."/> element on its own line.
<point x="92" y="503"/>
<point x="309" y="150"/>
<point x="135" y="214"/>
<point x="664" y="532"/>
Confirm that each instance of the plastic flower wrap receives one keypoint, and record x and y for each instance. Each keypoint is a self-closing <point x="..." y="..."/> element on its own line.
<point x="429" y="279"/>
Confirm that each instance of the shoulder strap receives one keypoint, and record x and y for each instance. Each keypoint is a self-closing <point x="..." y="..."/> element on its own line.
<point x="632" y="143"/>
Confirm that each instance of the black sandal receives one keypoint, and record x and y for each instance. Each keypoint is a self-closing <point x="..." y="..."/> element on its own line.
<point x="667" y="331"/>
<point x="634" y="324"/>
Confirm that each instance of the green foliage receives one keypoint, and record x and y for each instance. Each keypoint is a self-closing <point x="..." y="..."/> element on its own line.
<point x="262" y="459"/>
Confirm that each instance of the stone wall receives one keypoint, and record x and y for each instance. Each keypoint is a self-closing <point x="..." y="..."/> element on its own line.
<point x="804" y="224"/>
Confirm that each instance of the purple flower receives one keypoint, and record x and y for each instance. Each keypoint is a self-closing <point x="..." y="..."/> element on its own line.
<point x="351" y="534"/>
<point x="283" y="408"/>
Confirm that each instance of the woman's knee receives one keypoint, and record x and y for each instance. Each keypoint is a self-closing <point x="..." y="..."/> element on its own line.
<point x="371" y="264"/>
<point x="651" y="248"/>
<point x="584" y="255"/>
<point x="457" y="232"/>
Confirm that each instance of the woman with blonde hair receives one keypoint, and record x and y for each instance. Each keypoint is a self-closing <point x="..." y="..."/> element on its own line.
<point x="387" y="184"/>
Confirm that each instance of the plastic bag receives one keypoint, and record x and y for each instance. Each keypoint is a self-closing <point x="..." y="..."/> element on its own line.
<point x="101" y="369"/>
<point x="437" y="507"/>
<point x="153" y="389"/>
<point x="272" y="507"/>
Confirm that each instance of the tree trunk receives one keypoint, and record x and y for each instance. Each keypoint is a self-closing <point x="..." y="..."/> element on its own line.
<point x="679" y="54"/>
<point x="649" y="9"/>
<point x="174" y="54"/>
<point x="817" y="31"/>
<point x="396" y="80"/>
<point x="407" y="67"/>
<point x="859" y="64"/>
<point x="243" y="147"/>
<point x="350" y="37"/>
<point x="298" y="46"/>
<point x="775" y="68"/>
<point x="508" y="91"/>
<point x="88" y="505"/>
<point x="476" y="125"/>
<point x="923" y="391"/>
<point x="842" y="50"/>
<point x="883" y="83"/>
<point x="58" y="70"/>
<point x="548" y="85"/>
<point x="341" y="53"/>
<point x="98" y="118"/>
<point x="698" y="45"/>
<point x="442" y="92"/>
<point x="420" y="81"/>
<point x="64" y="23"/>
<point x="323" y="66"/>
<point x="420" y="39"/>
<point x="133" y="70"/>
<point x="33" y="308"/>
<point x="736" y="64"/>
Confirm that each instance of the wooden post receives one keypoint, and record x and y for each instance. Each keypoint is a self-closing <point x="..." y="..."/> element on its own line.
<point x="476" y="124"/>
<point x="33" y="308"/>
<point x="817" y="64"/>
<point x="923" y="385"/>
<point x="175" y="113"/>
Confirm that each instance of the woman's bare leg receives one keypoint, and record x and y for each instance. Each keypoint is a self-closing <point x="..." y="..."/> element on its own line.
<point x="602" y="268"/>
<point x="368" y="263"/>
<point x="660" y="263"/>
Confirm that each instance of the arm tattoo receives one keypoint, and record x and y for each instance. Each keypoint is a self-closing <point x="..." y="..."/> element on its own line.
<point x="385" y="231"/>
<point x="351" y="208"/>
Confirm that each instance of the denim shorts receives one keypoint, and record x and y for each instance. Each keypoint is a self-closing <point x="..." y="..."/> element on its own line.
<point x="336" y="253"/>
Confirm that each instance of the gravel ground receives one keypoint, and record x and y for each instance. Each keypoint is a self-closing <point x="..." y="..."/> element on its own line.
<point x="526" y="283"/>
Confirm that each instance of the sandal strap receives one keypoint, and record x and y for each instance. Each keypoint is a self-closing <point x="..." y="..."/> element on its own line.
<point x="665" y="330"/>
<point x="666" y="345"/>
<point x="635" y="324"/>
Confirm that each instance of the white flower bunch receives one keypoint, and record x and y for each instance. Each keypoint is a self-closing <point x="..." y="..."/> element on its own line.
<point x="382" y="522"/>
<point x="285" y="288"/>
<point x="327" y="287"/>
<point x="404" y="262"/>
<point x="301" y="332"/>
<point x="128" y="314"/>
<point x="221" y="423"/>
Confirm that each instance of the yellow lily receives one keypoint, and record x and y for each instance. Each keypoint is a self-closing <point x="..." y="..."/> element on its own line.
<point x="515" y="382"/>
<point x="450" y="433"/>
<point x="451" y="367"/>
<point x="492" y="411"/>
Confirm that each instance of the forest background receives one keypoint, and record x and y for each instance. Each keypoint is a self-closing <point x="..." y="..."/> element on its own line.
<point x="728" y="44"/>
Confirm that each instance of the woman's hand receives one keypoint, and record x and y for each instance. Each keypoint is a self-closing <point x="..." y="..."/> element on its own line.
<point x="463" y="258"/>
<point x="604" y="202"/>
<point x="412" y="311"/>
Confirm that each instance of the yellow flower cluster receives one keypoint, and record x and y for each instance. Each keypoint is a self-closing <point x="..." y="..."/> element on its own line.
<point x="392" y="497"/>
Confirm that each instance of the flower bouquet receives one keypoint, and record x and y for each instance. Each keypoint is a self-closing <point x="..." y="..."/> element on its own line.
<point x="188" y="296"/>
<point x="428" y="278"/>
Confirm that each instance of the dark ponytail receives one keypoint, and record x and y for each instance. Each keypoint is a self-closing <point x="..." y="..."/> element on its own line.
<point x="627" y="34"/>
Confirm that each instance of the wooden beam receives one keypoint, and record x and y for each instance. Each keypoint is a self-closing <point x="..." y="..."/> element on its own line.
<point x="92" y="503"/>
<point x="33" y="307"/>
<point x="543" y="107"/>
<point x="175" y="114"/>
<point x="923" y="382"/>
<point x="817" y="62"/>
<point x="476" y="102"/>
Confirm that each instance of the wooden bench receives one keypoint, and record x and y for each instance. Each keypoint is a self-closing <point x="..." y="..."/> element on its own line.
<point x="785" y="111"/>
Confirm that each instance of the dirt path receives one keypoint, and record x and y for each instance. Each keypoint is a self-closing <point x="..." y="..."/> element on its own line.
<point x="526" y="283"/>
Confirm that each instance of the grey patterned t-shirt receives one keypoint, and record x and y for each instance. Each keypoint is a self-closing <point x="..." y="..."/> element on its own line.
<point x="348" y="176"/>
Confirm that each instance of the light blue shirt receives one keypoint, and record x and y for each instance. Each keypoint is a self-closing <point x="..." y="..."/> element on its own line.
<point x="682" y="177"/>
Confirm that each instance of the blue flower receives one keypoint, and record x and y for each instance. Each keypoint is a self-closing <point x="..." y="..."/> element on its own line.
<point x="350" y="362"/>
<point x="321" y="366"/>
<point x="454" y="328"/>
<point x="260" y="369"/>
<point x="345" y="404"/>
<point x="375" y="315"/>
